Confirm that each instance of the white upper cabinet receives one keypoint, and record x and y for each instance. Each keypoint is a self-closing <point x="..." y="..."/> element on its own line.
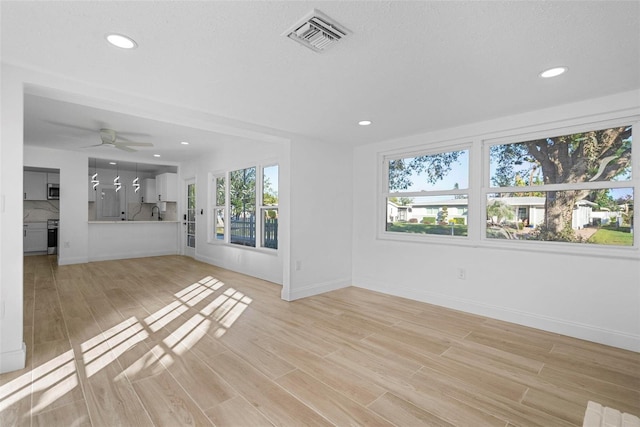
<point x="167" y="187"/>
<point x="53" y="178"/>
<point x="35" y="185"/>
<point x="149" y="194"/>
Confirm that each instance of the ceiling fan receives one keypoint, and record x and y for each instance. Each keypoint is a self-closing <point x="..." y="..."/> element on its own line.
<point x="110" y="138"/>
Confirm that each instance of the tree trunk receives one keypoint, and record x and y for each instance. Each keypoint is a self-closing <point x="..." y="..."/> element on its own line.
<point x="559" y="208"/>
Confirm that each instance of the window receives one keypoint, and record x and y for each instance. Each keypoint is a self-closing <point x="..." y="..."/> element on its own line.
<point x="571" y="188"/>
<point x="427" y="193"/>
<point x="269" y="207"/>
<point x="219" y="207"/>
<point x="242" y="205"/>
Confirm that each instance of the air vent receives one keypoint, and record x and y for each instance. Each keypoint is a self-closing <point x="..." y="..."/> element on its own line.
<point x="317" y="31"/>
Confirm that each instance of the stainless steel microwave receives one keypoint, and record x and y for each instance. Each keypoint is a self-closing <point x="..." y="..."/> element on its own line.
<point x="53" y="191"/>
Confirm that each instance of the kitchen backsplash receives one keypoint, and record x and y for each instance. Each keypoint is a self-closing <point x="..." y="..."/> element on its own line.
<point x="142" y="212"/>
<point x="40" y="210"/>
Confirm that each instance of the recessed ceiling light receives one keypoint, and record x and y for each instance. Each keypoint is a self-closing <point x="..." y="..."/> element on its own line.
<point x="156" y="155"/>
<point x="112" y="163"/>
<point x="364" y="122"/>
<point x="553" y="72"/>
<point x="184" y="143"/>
<point x="121" y="41"/>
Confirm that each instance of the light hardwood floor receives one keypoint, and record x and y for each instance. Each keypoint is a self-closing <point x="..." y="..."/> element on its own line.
<point x="172" y="341"/>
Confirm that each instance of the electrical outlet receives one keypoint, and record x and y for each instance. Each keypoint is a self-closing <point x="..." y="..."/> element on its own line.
<point x="67" y="244"/>
<point x="462" y="273"/>
<point x="298" y="265"/>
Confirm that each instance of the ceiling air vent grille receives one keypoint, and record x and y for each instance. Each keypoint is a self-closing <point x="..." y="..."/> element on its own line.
<point x="317" y="31"/>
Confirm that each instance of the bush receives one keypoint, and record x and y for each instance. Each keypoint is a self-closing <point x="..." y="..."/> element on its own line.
<point x="457" y="221"/>
<point x="428" y="220"/>
<point x="413" y="220"/>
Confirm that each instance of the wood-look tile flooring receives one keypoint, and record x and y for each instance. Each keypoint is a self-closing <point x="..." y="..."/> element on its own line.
<point x="172" y="341"/>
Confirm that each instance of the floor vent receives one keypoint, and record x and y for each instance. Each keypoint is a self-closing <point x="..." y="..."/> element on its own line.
<point x="317" y="31"/>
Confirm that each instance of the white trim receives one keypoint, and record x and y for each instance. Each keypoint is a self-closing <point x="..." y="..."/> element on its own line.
<point x="13" y="360"/>
<point x="317" y="288"/>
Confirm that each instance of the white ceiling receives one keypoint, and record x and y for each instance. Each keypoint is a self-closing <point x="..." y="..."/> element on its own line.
<point x="410" y="67"/>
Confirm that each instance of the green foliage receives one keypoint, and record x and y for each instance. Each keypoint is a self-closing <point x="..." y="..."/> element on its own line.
<point x="443" y="214"/>
<point x="500" y="211"/>
<point x="445" y="230"/>
<point x="428" y="220"/>
<point x="544" y="233"/>
<point x="435" y="166"/>
<point x="242" y="192"/>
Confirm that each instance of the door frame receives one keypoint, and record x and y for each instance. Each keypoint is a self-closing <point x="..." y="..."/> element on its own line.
<point x="187" y="250"/>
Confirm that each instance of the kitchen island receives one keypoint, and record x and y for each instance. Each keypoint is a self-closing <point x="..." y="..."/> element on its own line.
<point x="133" y="239"/>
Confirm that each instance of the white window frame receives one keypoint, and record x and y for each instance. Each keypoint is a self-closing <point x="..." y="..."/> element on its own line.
<point x="213" y="203"/>
<point x="259" y="204"/>
<point x="479" y="185"/>
<point x="262" y="207"/>
<point x="385" y="158"/>
<point x="549" y="133"/>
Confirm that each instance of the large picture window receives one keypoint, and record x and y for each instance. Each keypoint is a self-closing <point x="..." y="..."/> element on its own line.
<point x="244" y="207"/>
<point x="569" y="188"/>
<point x="427" y="193"/>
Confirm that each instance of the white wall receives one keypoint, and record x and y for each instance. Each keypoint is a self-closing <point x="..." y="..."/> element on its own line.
<point x="73" y="231"/>
<point x="321" y="218"/>
<point x="593" y="297"/>
<point x="12" y="348"/>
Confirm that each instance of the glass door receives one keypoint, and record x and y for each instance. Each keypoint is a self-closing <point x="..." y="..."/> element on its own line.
<point x="190" y="219"/>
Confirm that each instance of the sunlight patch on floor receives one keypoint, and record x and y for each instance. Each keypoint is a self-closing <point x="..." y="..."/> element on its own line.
<point x="57" y="377"/>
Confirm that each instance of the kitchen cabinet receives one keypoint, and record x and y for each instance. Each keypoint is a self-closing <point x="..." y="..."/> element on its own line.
<point x="53" y="178"/>
<point x="149" y="194"/>
<point x="34" y="185"/>
<point x="167" y="187"/>
<point x="35" y="237"/>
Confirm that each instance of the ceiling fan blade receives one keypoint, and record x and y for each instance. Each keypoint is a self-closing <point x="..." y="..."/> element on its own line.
<point x="124" y="148"/>
<point x="66" y="125"/>
<point x="96" y="145"/>
<point x="135" y="144"/>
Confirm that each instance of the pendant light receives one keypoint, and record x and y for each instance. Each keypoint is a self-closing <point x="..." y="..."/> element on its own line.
<point x="94" y="178"/>
<point x="116" y="180"/>
<point x="136" y="182"/>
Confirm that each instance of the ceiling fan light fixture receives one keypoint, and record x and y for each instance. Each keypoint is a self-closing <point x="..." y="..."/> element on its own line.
<point x="121" y="41"/>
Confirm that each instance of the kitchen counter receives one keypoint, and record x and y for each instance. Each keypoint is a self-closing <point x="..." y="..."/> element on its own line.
<point x="108" y="240"/>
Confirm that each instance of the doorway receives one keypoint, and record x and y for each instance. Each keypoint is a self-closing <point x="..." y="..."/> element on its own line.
<point x="190" y="218"/>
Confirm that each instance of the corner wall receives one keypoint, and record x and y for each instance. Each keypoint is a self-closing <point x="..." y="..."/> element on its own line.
<point x="592" y="297"/>
<point x="321" y="218"/>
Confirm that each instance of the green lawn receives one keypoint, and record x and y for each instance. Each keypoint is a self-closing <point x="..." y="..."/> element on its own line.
<point x="612" y="236"/>
<point x="407" y="227"/>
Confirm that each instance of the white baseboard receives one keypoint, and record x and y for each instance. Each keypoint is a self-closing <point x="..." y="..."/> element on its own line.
<point x="13" y="360"/>
<point x="72" y="260"/>
<point x="316" y="289"/>
<point x="551" y="324"/>
<point x="109" y="257"/>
